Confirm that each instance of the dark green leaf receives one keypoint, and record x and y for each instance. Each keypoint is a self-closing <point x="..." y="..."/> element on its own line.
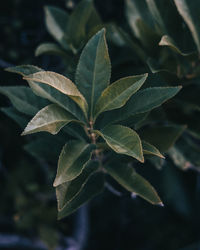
<point x="92" y="187"/>
<point x="150" y="149"/>
<point x="50" y="49"/>
<point x="56" y="21"/>
<point x="162" y="137"/>
<point x="94" y="69"/>
<point x="73" y="158"/>
<point x="18" y="117"/>
<point x="24" y="70"/>
<point x="69" y="190"/>
<point x="143" y="101"/>
<point x="83" y="16"/>
<point x="133" y="182"/>
<point x="23" y="99"/>
<point x="189" y="10"/>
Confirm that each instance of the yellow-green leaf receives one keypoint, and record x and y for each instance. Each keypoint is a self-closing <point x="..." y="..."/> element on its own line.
<point x="150" y="149"/>
<point x="50" y="119"/>
<point x="118" y="93"/>
<point x="62" y="84"/>
<point x="123" y="140"/>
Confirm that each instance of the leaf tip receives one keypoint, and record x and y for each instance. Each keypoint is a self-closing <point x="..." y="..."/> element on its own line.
<point x="23" y="133"/>
<point x="161" y="204"/>
<point x="141" y="159"/>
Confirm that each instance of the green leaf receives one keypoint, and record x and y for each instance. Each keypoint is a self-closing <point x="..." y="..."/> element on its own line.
<point x="62" y="84"/>
<point x="42" y="146"/>
<point x="156" y="12"/>
<point x="123" y="140"/>
<point x="133" y="182"/>
<point x="24" y="70"/>
<point x="73" y="158"/>
<point x="56" y="21"/>
<point x="57" y="97"/>
<point x="83" y="15"/>
<point x="143" y="101"/>
<point x="141" y="22"/>
<point x="91" y="188"/>
<point x="23" y="99"/>
<point x="118" y="93"/>
<point x="94" y="69"/>
<point x="135" y="121"/>
<point x="50" y="49"/>
<point x="179" y="159"/>
<point x="15" y="115"/>
<point x="50" y="119"/>
<point x="189" y="10"/>
<point x="162" y="137"/>
<point x="169" y="42"/>
<point x="150" y="149"/>
<point x="137" y="10"/>
<point x="69" y="190"/>
<point x="48" y="92"/>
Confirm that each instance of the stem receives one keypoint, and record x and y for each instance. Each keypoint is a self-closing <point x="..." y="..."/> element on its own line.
<point x="98" y="153"/>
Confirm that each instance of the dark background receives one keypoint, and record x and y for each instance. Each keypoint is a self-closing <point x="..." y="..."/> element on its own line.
<point x="28" y="215"/>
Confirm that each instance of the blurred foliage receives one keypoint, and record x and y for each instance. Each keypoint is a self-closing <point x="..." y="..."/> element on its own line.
<point x="143" y="39"/>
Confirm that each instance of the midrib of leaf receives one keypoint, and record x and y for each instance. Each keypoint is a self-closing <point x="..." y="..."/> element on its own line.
<point x="93" y="80"/>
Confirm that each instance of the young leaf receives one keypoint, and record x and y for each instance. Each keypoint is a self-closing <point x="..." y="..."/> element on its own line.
<point x="56" y="21"/>
<point x="162" y="137"/>
<point x="189" y="10"/>
<point x="94" y="69"/>
<point x="69" y="190"/>
<point x="50" y="119"/>
<point x="92" y="187"/>
<point x="150" y="149"/>
<point x="73" y="158"/>
<point x="143" y="101"/>
<point x="62" y="84"/>
<point x="123" y="140"/>
<point x="23" y="99"/>
<point x="133" y="182"/>
<point x="118" y="93"/>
